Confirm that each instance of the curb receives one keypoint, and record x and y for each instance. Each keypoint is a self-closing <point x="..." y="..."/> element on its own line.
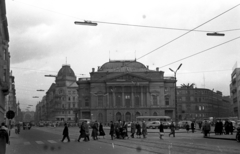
<point x="220" y="138"/>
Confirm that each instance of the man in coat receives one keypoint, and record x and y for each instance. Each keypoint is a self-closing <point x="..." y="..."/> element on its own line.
<point x="133" y="129"/>
<point x="144" y="129"/>
<point x="4" y="138"/>
<point x="65" y="133"/>
<point x="172" y="128"/>
<point x="192" y="127"/>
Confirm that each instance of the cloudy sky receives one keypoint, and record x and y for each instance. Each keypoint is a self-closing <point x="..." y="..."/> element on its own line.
<point x="43" y="33"/>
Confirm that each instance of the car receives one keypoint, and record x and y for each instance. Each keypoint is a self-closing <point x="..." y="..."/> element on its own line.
<point x="182" y="124"/>
<point x="153" y="124"/>
<point x="41" y="124"/>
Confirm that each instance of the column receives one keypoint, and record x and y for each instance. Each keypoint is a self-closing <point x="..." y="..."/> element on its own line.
<point x="107" y="99"/>
<point x="123" y="99"/>
<point x="148" y="98"/>
<point x="141" y="96"/>
<point x="132" y="99"/>
<point x="114" y="98"/>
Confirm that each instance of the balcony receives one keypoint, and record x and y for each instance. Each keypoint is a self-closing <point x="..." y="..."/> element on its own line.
<point x="233" y="81"/>
<point x="234" y="90"/>
<point x="5" y="87"/>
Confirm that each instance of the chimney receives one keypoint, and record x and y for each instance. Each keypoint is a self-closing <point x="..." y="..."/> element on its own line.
<point x="147" y="67"/>
<point x="157" y="69"/>
<point x="98" y="68"/>
<point x="93" y="69"/>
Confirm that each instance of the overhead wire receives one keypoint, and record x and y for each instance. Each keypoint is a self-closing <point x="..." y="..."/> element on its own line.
<point x="201" y="52"/>
<point x="123" y="24"/>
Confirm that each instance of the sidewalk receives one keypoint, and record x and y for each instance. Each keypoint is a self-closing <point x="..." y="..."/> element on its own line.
<point x="222" y="137"/>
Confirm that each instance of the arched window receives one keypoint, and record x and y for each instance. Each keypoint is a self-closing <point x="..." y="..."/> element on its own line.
<point x="128" y="117"/>
<point x="154" y="114"/>
<point x="100" y="117"/>
<point x="137" y="114"/>
<point x="118" y="116"/>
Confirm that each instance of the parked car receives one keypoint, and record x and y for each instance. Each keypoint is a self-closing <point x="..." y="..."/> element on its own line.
<point x="182" y="124"/>
<point x="153" y="124"/>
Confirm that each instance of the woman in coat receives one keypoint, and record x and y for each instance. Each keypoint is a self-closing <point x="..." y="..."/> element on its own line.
<point x="86" y="128"/>
<point x="133" y="129"/>
<point x="4" y="138"/>
<point x="101" y="131"/>
<point x="95" y="131"/>
<point x="161" y="130"/>
<point x="187" y="126"/>
<point x="112" y="130"/>
<point x="82" y="132"/>
<point x="144" y="129"/>
<point x="138" y="127"/>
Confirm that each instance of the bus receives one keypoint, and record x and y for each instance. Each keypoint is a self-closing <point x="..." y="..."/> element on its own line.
<point x="154" y="118"/>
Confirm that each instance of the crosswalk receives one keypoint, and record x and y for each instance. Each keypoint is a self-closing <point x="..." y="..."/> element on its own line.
<point x="45" y="142"/>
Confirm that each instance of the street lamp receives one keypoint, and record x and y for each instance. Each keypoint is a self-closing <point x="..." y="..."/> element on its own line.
<point x="215" y="34"/>
<point x="175" y="76"/>
<point x="85" y="23"/>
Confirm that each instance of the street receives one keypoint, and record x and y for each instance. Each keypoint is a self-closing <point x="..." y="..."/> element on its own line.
<point x="40" y="140"/>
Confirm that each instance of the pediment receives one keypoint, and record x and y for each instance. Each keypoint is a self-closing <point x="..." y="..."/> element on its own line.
<point x="128" y="78"/>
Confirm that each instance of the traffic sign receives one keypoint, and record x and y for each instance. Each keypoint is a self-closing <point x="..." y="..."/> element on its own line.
<point x="10" y="114"/>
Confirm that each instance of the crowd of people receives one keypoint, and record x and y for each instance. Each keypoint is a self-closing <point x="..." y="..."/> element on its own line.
<point x="223" y="128"/>
<point x="119" y="129"/>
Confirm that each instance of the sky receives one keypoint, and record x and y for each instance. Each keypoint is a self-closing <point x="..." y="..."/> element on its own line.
<point x="43" y="37"/>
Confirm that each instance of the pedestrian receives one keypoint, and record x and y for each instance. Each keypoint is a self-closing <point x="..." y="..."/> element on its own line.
<point x="200" y="125"/>
<point x="187" y="127"/>
<point x="124" y="130"/>
<point x="95" y="131"/>
<point x="117" y="129"/>
<point x="65" y="133"/>
<point x="172" y="128"/>
<point x="4" y="138"/>
<point x="192" y="127"/>
<point x="161" y="130"/>
<point x="144" y="129"/>
<point x="231" y="128"/>
<point x="112" y="130"/>
<point x="138" y="127"/>
<point x="101" y="131"/>
<point x="86" y="128"/>
<point x="206" y="128"/>
<point x="133" y="129"/>
<point x="226" y="126"/>
<point x="82" y="132"/>
<point x="220" y="127"/>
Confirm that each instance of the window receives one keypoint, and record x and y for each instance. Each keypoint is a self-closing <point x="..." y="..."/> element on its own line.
<point x="118" y="99"/>
<point x="137" y="100"/>
<point x="86" y="102"/>
<point x="154" y="97"/>
<point x="200" y="108"/>
<point x="4" y="75"/>
<point x="4" y="54"/>
<point x="69" y="98"/>
<point x="127" y="100"/>
<point x="73" y="98"/>
<point x="62" y="105"/>
<point x="73" y="104"/>
<point x="100" y="101"/>
<point x="166" y="101"/>
<point x="60" y="91"/>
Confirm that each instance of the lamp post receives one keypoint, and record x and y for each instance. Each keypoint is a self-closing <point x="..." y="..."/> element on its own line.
<point x="175" y="76"/>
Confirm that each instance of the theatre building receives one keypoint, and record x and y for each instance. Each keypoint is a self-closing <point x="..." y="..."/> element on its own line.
<point x="123" y="90"/>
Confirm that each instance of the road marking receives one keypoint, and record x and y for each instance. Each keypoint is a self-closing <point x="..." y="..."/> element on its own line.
<point x="39" y="142"/>
<point x="26" y="143"/>
<point x="51" y="141"/>
<point x="219" y="149"/>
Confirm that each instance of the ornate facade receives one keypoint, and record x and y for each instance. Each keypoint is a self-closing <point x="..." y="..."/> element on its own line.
<point x="4" y="59"/>
<point x="123" y="90"/>
<point x="61" y="99"/>
<point x="200" y="103"/>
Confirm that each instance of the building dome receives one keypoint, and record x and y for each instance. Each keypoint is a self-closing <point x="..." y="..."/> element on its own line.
<point x="123" y="66"/>
<point x="66" y="71"/>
